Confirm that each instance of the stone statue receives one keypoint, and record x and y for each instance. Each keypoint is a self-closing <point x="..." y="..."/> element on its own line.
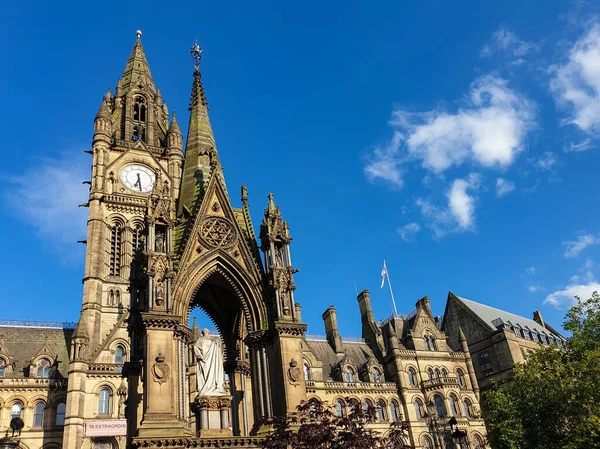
<point x="209" y="356"/>
<point x="160" y="294"/>
<point x="159" y="246"/>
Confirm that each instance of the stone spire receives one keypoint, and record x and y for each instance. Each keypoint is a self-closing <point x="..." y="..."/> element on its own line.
<point x="137" y="70"/>
<point x="201" y="158"/>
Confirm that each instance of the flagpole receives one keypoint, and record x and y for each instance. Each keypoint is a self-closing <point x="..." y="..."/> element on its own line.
<point x="387" y="273"/>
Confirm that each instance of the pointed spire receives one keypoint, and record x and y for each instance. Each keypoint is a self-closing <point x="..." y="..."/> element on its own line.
<point x="195" y="331"/>
<point x="271" y="206"/>
<point x="461" y="335"/>
<point x="137" y="70"/>
<point x="201" y="158"/>
<point x="174" y="128"/>
<point x="104" y="111"/>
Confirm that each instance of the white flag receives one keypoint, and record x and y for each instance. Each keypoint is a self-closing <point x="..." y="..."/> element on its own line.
<point x="384" y="273"/>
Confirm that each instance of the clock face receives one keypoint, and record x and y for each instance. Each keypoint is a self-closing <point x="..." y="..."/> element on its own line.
<point x="138" y="178"/>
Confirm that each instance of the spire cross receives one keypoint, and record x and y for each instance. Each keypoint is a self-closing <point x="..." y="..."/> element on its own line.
<point x="196" y="53"/>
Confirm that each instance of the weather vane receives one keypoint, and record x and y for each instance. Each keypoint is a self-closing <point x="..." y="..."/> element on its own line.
<point x="196" y="53"/>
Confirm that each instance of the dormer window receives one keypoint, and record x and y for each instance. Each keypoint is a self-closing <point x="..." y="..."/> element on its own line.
<point x="348" y="374"/>
<point x="375" y="375"/>
<point x="429" y="342"/>
<point x="43" y="369"/>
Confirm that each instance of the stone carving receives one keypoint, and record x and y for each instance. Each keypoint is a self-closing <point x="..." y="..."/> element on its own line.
<point x="217" y="232"/>
<point x="160" y="294"/>
<point x="294" y="372"/>
<point x="160" y="369"/>
<point x="209" y="356"/>
<point x="159" y="246"/>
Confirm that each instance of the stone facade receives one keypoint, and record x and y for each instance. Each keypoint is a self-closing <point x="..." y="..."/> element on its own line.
<point x="164" y="238"/>
<point x="496" y="339"/>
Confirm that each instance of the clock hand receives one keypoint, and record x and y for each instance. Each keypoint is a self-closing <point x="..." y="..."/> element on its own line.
<point x="138" y="183"/>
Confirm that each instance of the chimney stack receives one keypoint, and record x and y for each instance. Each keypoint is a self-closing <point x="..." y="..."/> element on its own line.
<point x="537" y="317"/>
<point x="332" y="331"/>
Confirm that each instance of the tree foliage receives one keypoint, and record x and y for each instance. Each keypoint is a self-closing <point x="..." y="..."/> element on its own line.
<point x="316" y="426"/>
<point x="553" y="400"/>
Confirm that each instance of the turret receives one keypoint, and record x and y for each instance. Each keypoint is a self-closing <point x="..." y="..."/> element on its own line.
<point x="175" y="153"/>
<point x="275" y="243"/>
<point x="103" y="122"/>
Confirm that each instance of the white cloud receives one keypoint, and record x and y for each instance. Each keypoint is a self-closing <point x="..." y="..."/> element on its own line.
<point x="47" y="196"/>
<point x="530" y="270"/>
<point x="408" y="232"/>
<point x="459" y="215"/>
<point x="490" y="130"/>
<point x="547" y="161"/>
<point x="534" y="288"/>
<point x="384" y="163"/>
<point x="576" y="83"/>
<point x="503" y="187"/>
<point x="507" y="43"/>
<point x="460" y="203"/>
<point x="575" y="247"/>
<point x="565" y="298"/>
<point x="584" y="145"/>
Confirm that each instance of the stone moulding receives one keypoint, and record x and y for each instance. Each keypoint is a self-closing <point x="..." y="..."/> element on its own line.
<point x="184" y="443"/>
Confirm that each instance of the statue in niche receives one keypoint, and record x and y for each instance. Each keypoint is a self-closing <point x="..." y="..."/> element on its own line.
<point x="279" y="256"/>
<point x="209" y="356"/>
<point x="159" y="245"/>
<point x="160" y="294"/>
<point x="286" y="303"/>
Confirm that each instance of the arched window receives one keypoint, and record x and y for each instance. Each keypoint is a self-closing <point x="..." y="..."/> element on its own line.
<point x="427" y="443"/>
<point x="339" y="408"/>
<point x="348" y="374"/>
<point x="119" y="355"/>
<point x="429" y="342"/>
<point x="38" y="415"/>
<point x="430" y="373"/>
<point x="477" y="442"/>
<point x="418" y="408"/>
<point x="15" y="411"/>
<point x="412" y="377"/>
<point x="366" y="405"/>
<point x="104" y="402"/>
<point x="394" y="407"/>
<point x="444" y="372"/>
<point x="137" y="239"/>
<point x="437" y="373"/>
<point x="103" y="444"/>
<point x="381" y="411"/>
<point x="116" y="236"/>
<point x="43" y="368"/>
<point x="375" y="375"/>
<point x="2" y="366"/>
<point x="439" y="406"/>
<point x="60" y="414"/>
<point x="306" y="372"/>
<point x="467" y="406"/>
<point x="460" y="377"/>
<point x="453" y="408"/>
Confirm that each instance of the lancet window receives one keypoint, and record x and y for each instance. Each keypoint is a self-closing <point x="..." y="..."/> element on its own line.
<point x="116" y="245"/>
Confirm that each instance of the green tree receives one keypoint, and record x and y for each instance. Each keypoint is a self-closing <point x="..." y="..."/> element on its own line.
<point x="315" y="426"/>
<point x="553" y="400"/>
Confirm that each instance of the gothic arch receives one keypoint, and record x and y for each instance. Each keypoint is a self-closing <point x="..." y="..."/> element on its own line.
<point x="222" y="267"/>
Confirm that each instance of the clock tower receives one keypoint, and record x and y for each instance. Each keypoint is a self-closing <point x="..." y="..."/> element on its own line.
<point x="136" y="170"/>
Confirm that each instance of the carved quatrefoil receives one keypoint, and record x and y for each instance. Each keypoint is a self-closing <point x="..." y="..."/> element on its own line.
<point x="217" y="232"/>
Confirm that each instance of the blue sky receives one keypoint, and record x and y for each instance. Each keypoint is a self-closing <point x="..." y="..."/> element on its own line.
<point x="456" y="140"/>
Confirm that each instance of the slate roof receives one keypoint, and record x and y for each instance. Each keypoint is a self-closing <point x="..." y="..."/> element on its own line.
<point x="357" y="353"/>
<point x="24" y="341"/>
<point x="491" y="316"/>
